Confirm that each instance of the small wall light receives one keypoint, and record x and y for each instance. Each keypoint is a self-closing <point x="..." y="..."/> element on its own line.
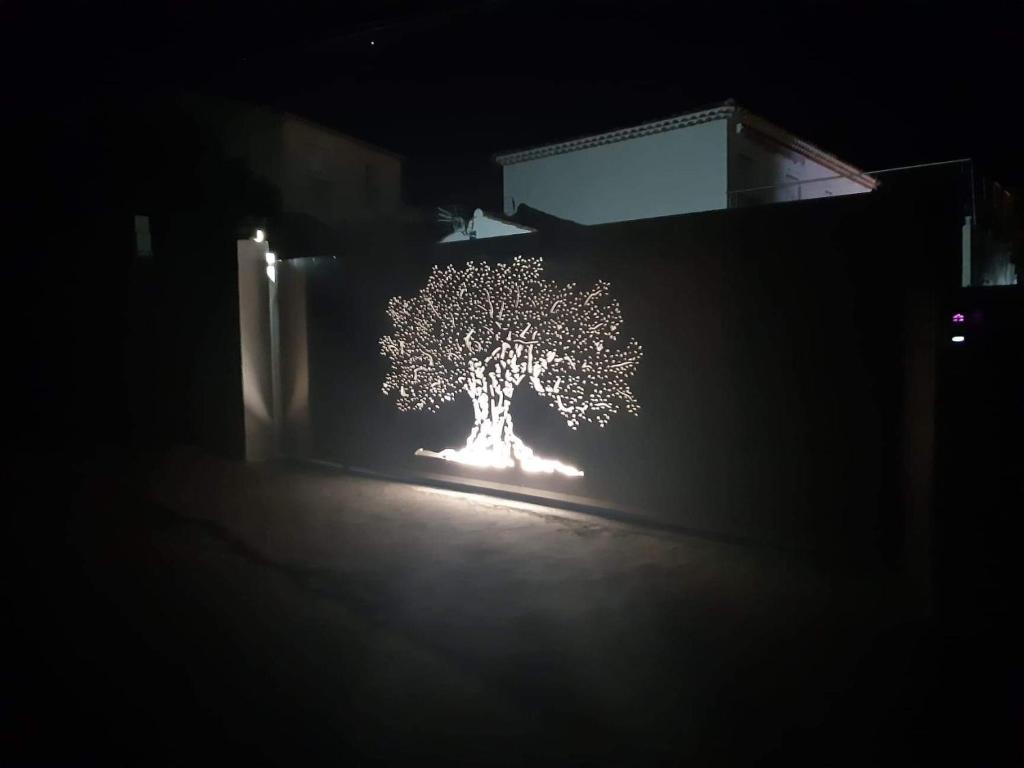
<point x="259" y="236"/>
<point x="958" y="339"/>
<point x="271" y="258"/>
<point x="272" y="273"/>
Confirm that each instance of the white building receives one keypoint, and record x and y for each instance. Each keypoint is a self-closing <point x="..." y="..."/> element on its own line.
<point x="723" y="157"/>
<point x="482" y="225"/>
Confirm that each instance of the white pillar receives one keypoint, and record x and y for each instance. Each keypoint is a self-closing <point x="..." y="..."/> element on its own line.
<point x="965" y="252"/>
<point x="273" y="272"/>
<point x="256" y="345"/>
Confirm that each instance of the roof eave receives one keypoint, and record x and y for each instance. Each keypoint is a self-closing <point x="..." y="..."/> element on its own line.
<point x="725" y="110"/>
<point x="686" y="120"/>
<point x="805" y="148"/>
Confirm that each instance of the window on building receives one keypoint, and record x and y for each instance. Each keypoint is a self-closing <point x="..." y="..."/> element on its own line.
<point x="746" y="183"/>
<point x="321" y="192"/>
<point x="371" y="187"/>
<point x="143" y="238"/>
<point x="744" y="172"/>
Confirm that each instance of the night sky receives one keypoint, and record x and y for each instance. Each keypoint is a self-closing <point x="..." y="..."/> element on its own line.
<point x="879" y="84"/>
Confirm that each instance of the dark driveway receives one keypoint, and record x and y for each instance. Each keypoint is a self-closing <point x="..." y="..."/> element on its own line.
<point x="187" y="610"/>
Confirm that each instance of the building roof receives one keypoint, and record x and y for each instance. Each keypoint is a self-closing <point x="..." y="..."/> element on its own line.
<point x="724" y="111"/>
<point x="685" y="120"/>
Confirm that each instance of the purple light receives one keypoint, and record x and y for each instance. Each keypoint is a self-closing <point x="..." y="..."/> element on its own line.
<point x="958" y="318"/>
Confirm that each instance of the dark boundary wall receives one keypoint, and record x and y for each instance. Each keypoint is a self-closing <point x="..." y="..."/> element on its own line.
<point x="774" y="385"/>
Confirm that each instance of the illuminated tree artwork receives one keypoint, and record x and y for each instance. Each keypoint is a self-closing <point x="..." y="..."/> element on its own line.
<point x="484" y="329"/>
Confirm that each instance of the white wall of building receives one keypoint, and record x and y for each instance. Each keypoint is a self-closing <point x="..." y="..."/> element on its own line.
<point x="756" y="161"/>
<point x="678" y="171"/>
<point x="481" y="226"/>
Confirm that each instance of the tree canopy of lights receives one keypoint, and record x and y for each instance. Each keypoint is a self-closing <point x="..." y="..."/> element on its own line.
<point x="484" y="329"/>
